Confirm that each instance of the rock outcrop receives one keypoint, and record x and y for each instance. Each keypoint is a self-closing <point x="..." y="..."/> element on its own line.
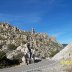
<point x="13" y="42"/>
<point x="64" y="54"/>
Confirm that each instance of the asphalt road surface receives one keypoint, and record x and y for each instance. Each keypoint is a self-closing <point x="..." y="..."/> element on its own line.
<point x="35" y="67"/>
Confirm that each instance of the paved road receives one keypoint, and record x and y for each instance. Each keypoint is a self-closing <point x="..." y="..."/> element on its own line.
<point x="37" y="67"/>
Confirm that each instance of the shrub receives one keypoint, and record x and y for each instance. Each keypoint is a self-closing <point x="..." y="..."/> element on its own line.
<point x="2" y="55"/>
<point x="53" y="53"/>
<point x="11" y="47"/>
<point x="2" y="59"/>
<point x="24" y="42"/>
<point x="1" y="46"/>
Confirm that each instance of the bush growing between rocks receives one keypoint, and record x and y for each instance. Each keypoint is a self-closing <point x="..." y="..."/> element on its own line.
<point x="53" y="53"/>
<point x="4" y="62"/>
<point x="11" y="47"/>
<point x="2" y="55"/>
<point x="0" y="46"/>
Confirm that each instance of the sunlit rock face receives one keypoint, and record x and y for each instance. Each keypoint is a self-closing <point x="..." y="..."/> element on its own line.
<point x="19" y="54"/>
<point x="53" y="39"/>
<point x="66" y="53"/>
<point x="20" y="51"/>
<point x="23" y="60"/>
<point x="23" y="48"/>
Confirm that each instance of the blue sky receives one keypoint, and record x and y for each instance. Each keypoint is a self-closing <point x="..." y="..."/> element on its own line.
<point x="50" y="16"/>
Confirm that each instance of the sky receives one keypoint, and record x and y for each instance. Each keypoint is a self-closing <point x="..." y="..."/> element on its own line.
<point x="53" y="17"/>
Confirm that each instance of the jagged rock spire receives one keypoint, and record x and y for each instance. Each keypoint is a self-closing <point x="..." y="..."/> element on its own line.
<point x="33" y="30"/>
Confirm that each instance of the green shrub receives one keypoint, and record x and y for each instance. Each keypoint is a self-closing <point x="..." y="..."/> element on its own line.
<point x="11" y="47"/>
<point x="1" y="38"/>
<point x="53" y="53"/>
<point x="2" y="55"/>
<point x="24" y="42"/>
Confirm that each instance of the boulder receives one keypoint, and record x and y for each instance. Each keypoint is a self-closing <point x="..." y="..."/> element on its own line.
<point x="65" y="53"/>
<point x="14" y="55"/>
<point x="23" y="60"/>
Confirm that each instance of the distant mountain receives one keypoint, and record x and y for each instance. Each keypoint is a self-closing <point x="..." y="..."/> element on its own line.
<point x="64" y="45"/>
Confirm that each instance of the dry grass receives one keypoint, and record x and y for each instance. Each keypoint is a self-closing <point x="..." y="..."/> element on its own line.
<point x="67" y="68"/>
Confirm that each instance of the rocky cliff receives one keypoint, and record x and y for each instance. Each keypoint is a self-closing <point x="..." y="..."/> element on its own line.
<point x="11" y="38"/>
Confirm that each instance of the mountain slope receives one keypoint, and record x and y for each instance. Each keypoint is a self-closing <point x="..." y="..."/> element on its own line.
<point x="41" y="42"/>
<point x="11" y="38"/>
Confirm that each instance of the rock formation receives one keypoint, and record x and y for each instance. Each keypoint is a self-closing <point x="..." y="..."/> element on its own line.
<point x="43" y="45"/>
<point x="65" y="54"/>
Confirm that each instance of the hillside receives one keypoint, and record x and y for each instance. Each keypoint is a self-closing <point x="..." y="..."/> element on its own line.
<point x="11" y="38"/>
